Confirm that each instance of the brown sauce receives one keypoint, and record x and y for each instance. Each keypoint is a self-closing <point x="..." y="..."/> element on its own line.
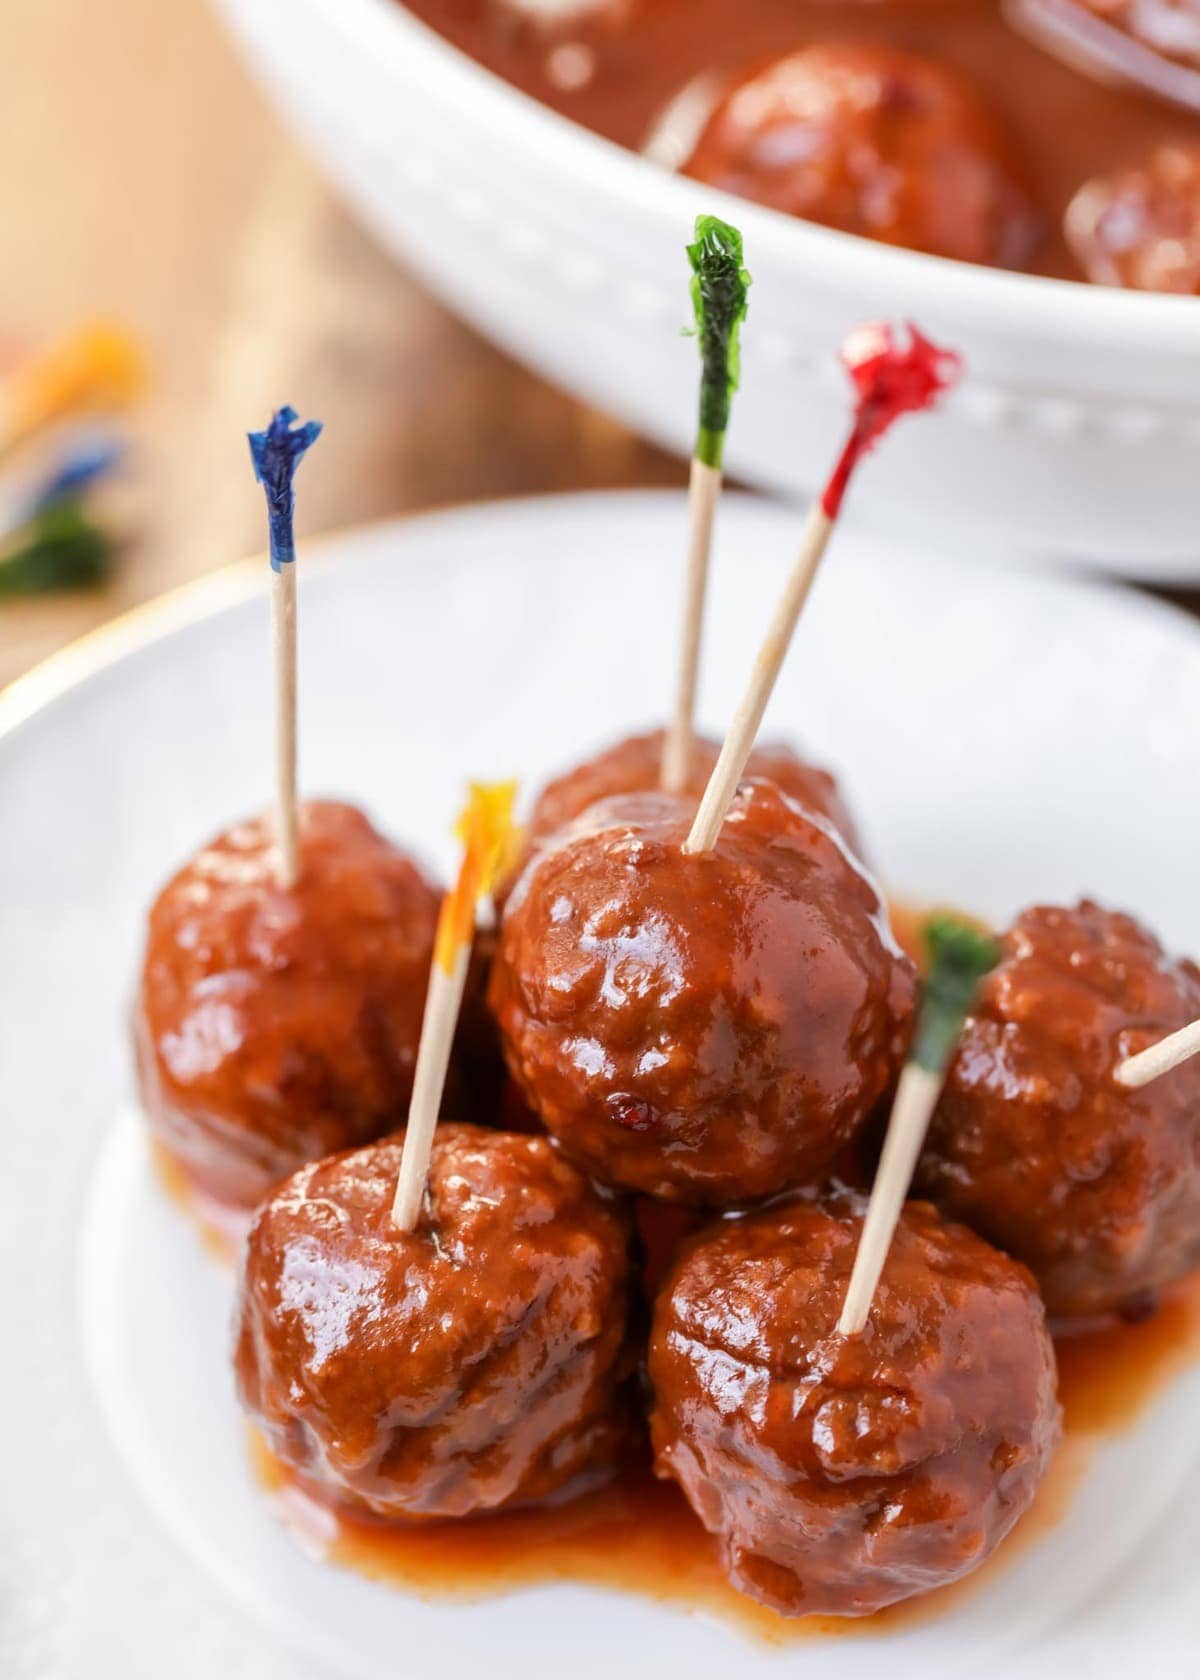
<point x="1069" y="127"/>
<point x="1107" y="1376"/>
<point x="638" y="1535"/>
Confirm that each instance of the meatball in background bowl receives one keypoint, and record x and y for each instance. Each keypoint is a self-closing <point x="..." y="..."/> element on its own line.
<point x="1073" y="435"/>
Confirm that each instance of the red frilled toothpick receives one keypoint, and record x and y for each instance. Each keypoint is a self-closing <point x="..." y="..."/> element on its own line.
<point x="892" y="375"/>
<point x="890" y="379"/>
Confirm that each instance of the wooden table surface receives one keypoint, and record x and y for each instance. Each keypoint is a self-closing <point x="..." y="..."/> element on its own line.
<point x="144" y="177"/>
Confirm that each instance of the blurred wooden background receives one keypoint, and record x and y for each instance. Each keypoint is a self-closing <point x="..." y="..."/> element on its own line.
<point x="143" y="176"/>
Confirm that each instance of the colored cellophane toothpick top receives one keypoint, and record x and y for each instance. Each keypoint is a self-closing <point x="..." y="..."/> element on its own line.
<point x="490" y="842"/>
<point x="276" y="453"/>
<point x="719" y="286"/>
<point x="960" y="954"/>
<point x="892" y="374"/>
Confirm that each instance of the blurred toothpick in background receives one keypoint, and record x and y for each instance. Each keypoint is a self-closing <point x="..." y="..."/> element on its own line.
<point x="242" y="275"/>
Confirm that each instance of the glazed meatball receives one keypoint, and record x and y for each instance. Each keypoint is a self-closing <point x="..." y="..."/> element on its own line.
<point x="1095" y="1187"/>
<point x="274" y="1024"/>
<point x="709" y="1028"/>
<point x="876" y="142"/>
<point x="476" y="1363"/>
<point x="570" y="42"/>
<point x="844" y="1474"/>
<point x="634" y="766"/>
<point x="1141" y="228"/>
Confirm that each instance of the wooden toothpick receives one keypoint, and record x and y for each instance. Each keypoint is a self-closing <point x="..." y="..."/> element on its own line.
<point x="959" y="957"/>
<point x="490" y="846"/>
<point x="719" y="288"/>
<point x="891" y="378"/>
<point x="276" y="453"/>
<point x="747" y="720"/>
<point x="1160" y="1058"/>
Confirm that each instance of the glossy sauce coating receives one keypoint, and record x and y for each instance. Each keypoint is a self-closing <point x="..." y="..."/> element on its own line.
<point x="706" y="1029"/>
<point x="1140" y="228"/>
<point x="1096" y="1188"/>
<point x="873" y="141"/>
<point x="275" y="1025"/>
<point x="617" y="67"/>
<point x="634" y="765"/>
<point x="477" y="1363"/>
<point x="845" y="1474"/>
<point x="638" y="1535"/>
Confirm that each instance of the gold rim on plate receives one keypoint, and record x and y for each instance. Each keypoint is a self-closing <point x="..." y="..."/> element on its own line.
<point x="187" y="603"/>
<point x="137" y="627"/>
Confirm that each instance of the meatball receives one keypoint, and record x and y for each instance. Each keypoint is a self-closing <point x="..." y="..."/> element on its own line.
<point x="876" y="142"/>
<point x="1095" y="1187"/>
<point x="571" y="42"/>
<point x="274" y="1024"/>
<point x="706" y="1029"/>
<point x="844" y="1474"/>
<point x="634" y="765"/>
<point x="1140" y="228"/>
<point x="476" y="1363"/>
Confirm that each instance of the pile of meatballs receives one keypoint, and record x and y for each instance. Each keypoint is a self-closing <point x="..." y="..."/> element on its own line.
<point x="1061" y="136"/>
<point x="684" y="1057"/>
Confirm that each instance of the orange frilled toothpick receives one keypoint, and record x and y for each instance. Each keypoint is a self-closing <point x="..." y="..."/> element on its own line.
<point x="491" y="842"/>
<point x="96" y="368"/>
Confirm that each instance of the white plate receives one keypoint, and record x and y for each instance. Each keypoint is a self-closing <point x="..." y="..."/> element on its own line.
<point x="1006" y="736"/>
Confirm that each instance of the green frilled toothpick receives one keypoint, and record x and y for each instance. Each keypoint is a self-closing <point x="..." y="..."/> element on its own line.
<point x="60" y="547"/>
<point x="960" y="954"/>
<point x="719" y="288"/>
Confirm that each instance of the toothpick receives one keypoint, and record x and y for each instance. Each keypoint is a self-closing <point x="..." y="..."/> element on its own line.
<point x="276" y="453"/>
<point x="739" y="740"/>
<point x="704" y="491"/>
<point x="959" y="957"/>
<point x="719" y="287"/>
<point x="1160" y="1058"/>
<point x="490" y="846"/>
<point x="98" y="367"/>
<point x="283" y="658"/>
<point x="890" y="379"/>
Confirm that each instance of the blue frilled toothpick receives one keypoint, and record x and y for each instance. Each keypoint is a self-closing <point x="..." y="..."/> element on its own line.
<point x="276" y="454"/>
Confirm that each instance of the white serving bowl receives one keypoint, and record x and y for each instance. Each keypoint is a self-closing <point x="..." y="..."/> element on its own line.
<point x="1075" y="435"/>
